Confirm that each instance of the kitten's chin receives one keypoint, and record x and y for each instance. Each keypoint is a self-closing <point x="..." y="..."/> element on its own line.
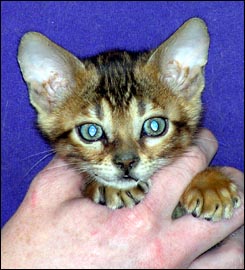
<point x="124" y="183"/>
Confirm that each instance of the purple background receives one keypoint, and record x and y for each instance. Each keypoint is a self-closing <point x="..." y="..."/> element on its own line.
<point x="86" y="28"/>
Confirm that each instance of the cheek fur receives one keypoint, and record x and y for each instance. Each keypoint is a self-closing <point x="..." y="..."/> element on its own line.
<point x="78" y="152"/>
<point x="173" y="143"/>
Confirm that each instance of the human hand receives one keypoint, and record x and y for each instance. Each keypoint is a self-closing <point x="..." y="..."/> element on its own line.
<point x="56" y="228"/>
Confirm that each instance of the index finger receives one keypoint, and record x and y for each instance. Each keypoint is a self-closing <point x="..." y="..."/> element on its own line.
<point x="170" y="182"/>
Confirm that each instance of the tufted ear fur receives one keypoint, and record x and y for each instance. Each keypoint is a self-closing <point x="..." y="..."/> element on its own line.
<point x="180" y="59"/>
<point x="48" y="69"/>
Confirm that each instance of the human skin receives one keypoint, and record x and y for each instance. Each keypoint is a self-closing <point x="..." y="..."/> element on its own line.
<point x="55" y="227"/>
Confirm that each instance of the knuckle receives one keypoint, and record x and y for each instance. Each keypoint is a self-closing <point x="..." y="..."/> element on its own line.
<point x="208" y="136"/>
<point x="199" y="159"/>
<point x="201" y="155"/>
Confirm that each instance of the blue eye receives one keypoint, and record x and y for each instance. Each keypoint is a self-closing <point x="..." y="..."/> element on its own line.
<point x="90" y="132"/>
<point x="154" y="127"/>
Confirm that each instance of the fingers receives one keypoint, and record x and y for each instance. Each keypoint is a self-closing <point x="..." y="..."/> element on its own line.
<point x="207" y="144"/>
<point x="229" y="255"/>
<point x="170" y="182"/>
<point x="56" y="183"/>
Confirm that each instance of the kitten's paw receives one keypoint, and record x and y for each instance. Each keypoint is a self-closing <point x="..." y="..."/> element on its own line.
<point x="116" y="198"/>
<point x="211" y="195"/>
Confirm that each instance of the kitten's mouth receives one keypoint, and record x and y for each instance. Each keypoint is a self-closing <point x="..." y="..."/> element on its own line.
<point x="129" y="178"/>
<point x="125" y="177"/>
<point x="125" y="181"/>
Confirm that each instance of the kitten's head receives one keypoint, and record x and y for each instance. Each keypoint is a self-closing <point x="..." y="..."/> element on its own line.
<point x="118" y="116"/>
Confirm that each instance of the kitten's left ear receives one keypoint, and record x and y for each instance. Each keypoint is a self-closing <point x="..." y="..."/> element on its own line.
<point x="180" y="59"/>
<point x="50" y="71"/>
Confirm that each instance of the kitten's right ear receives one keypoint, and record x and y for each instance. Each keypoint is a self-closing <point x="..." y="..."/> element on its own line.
<point x="49" y="70"/>
<point x="181" y="58"/>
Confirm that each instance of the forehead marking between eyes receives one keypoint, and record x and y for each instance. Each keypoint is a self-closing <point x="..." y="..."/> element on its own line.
<point x="141" y="108"/>
<point x="97" y="112"/>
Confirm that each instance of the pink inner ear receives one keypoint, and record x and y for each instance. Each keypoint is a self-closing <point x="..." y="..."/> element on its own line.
<point x="183" y="81"/>
<point x="48" y="70"/>
<point x="174" y="74"/>
<point x="57" y="85"/>
<point x="45" y="95"/>
<point x="182" y="57"/>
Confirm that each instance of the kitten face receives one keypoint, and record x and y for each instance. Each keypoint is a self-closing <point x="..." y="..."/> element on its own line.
<point x="118" y="116"/>
<point x="123" y="140"/>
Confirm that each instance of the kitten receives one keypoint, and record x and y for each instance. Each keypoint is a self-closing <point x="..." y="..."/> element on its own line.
<point x="120" y="116"/>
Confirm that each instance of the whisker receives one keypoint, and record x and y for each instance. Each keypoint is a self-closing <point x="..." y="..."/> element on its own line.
<point x="61" y="173"/>
<point x="40" y="153"/>
<point x="71" y="165"/>
<point x="38" y="162"/>
<point x="61" y="166"/>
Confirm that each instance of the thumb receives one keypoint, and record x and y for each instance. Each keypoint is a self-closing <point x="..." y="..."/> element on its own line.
<point x="170" y="182"/>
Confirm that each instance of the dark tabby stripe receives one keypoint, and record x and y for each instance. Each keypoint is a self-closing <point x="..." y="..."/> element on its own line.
<point x="116" y="72"/>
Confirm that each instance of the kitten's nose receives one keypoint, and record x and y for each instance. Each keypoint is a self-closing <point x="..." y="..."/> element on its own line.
<point x="126" y="161"/>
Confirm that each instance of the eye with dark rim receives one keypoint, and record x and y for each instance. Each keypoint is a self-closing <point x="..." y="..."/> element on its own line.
<point x="154" y="127"/>
<point x="90" y="132"/>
